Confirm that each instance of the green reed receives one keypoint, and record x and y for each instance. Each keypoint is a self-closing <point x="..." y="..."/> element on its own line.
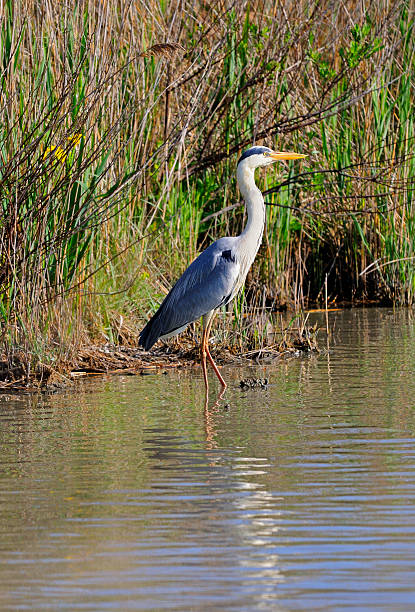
<point x="121" y="127"/>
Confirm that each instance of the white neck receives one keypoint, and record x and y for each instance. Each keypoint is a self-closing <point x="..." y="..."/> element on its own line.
<point x="252" y="235"/>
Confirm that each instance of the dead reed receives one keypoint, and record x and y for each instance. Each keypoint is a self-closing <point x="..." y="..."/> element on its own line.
<point x="121" y="126"/>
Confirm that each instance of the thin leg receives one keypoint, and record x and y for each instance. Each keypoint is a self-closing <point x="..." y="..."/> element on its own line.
<point x="209" y="356"/>
<point x="203" y="359"/>
<point x="215" y="367"/>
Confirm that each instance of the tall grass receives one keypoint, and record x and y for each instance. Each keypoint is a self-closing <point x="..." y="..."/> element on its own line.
<point x="121" y="126"/>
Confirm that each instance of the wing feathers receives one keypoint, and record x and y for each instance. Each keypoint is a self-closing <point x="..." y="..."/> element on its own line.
<point x="206" y="284"/>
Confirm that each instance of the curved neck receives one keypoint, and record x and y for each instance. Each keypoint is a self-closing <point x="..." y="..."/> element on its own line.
<point x="255" y="207"/>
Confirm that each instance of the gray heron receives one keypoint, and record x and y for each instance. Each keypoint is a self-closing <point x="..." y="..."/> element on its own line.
<point x="218" y="273"/>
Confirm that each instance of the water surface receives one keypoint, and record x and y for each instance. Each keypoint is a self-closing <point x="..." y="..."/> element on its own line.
<point x="128" y="494"/>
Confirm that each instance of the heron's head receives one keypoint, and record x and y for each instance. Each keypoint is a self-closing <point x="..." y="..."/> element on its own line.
<point x="263" y="156"/>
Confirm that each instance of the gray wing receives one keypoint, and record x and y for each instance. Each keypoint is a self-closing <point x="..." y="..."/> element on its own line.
<point x="206" y="284"/>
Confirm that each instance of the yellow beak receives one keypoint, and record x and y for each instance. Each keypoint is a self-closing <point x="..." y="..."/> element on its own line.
<point x="286" y="155"/>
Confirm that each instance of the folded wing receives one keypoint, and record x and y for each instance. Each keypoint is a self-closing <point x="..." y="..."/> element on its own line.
<point x="207" y="284"/>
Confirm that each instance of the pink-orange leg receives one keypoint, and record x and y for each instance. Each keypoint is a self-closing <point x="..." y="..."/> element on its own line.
<point x="203" y="358"/>
<point x="206" y="352"/>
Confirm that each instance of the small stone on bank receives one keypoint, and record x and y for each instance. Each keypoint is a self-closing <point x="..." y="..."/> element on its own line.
<point x="254" y="383"/>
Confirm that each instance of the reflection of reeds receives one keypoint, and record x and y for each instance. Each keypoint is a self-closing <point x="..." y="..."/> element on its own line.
<point x="93" y="233"/>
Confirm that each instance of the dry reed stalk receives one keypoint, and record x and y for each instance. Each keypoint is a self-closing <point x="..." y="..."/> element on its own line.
<point x="165" y="98"/>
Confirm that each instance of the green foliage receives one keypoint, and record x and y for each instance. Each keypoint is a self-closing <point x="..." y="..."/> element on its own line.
<point x="122" y="211"/>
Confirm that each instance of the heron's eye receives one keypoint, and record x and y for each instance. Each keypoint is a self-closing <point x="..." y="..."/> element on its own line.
<point x="265" y="154"/>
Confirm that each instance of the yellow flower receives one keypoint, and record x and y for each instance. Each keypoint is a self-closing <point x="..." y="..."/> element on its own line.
<point x="75" y="138"/>
<point x="60" y="153"/>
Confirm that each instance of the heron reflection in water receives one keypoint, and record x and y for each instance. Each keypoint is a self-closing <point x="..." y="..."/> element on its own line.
<point x="219" y="272"/>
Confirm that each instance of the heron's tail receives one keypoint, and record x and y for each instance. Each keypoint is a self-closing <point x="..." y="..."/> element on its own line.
<point x="150" y="334"/>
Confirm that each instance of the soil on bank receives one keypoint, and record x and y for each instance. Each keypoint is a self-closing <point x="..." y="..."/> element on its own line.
<point x="106" y="359"/>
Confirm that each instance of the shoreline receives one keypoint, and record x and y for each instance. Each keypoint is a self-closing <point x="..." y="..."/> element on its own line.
<point x="104" y="360"/>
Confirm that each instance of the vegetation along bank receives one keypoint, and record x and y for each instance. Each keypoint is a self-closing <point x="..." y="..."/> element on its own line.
<point x="121" y="125"/>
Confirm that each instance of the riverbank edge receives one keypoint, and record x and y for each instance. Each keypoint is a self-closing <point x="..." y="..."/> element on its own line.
<point x="104" y="360"/>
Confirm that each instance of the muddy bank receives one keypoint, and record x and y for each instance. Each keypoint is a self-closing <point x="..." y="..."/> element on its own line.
<point x="106" y="359"/>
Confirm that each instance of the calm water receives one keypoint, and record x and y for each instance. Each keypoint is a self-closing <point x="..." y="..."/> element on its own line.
<point x="127" y="495"/>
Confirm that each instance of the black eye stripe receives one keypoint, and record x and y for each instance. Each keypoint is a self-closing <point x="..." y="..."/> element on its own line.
<point x="254" y="151"/>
